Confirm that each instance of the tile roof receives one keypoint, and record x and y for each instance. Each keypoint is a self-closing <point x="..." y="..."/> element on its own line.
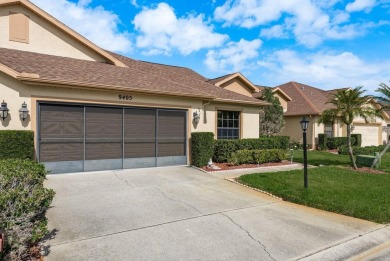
<point x="306" y="100"/>
<point x="138" y="77"/>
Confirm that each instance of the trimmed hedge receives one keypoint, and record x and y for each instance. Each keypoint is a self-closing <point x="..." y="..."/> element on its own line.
<point x="336" y="142"/>
<point x="325" y="143"/>
<point x="224" y="148"/>
<point x="16" y="144"/>
<point x="369" y="150"/>
<point x="23" y="204"/>
<point x="257" y="156"/>
<point x="358" y="140"/>
<point x="202" y="148"/>
<point x="322" y="142"/>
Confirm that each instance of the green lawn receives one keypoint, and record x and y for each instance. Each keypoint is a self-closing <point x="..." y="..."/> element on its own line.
<point x="328" y="159"/>
<point x="334" y="189"/>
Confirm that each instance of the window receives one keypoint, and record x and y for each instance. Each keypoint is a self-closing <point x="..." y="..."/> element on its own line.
<point x="329" y="129"/>
<point x="228" y="125"/>
<point x="18" y="28"/>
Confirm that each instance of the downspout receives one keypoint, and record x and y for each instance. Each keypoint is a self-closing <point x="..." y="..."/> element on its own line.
<point x="204" y="111"/>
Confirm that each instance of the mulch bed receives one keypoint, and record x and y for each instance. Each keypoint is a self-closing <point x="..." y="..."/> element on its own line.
<point x="367" y="170"/>
<point x="228" y="166"/>
<point x="35" y="253"/>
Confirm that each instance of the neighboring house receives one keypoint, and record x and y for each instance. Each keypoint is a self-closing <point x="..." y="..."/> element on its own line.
<point x="92" y="109"/>
<point x="311" y="102"/>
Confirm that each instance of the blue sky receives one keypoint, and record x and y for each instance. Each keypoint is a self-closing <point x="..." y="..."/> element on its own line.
<point x="326" y="44"/>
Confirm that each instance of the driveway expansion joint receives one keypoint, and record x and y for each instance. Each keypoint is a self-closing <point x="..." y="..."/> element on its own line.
<point x="249" y="234"/>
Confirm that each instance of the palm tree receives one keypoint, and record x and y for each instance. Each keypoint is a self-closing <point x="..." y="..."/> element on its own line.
<point x="348" y="104"/>
<point x="384" y="99"/>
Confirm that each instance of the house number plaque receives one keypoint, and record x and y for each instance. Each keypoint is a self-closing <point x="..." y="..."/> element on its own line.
<point x="125" y="97"/>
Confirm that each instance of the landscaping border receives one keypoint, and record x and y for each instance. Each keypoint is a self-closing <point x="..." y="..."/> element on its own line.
<point x="234" y="180"/>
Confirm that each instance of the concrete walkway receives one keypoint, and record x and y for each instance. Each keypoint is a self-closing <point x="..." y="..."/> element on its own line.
<point x="223" y="174"/>
<point x="179" y="213"/>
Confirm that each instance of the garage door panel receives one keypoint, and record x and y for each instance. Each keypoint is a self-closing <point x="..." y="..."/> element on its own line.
<point x="103" y="133"/>
<point x="62" y="129"/>
<point x="102" y="150"/>
<point x="139" y="134"/>
<point x="171" y="124"/>
<point x="139" y="123"/>
<point x="51" y="152"/>
<point x="171" y="149"/>
<point x="87" y="138"/>
<point x="61" y="133"/>
<point x="140" y="149"/>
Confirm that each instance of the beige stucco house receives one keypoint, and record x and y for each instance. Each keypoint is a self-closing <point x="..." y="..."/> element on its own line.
<point x="92" y="109"/>
<point x="311" y="102"/>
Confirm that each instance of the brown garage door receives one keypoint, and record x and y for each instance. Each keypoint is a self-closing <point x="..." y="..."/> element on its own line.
<point x="85" y="138"/>
<point x="61" y="137"/>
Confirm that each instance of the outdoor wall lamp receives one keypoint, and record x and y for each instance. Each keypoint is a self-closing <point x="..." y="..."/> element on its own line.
<point x="23" y="112"/>
<point x="196" y="117"/>
<point x="385" y="128"/>
<point x="4" y="110"/>
<point x="304" y="126"/>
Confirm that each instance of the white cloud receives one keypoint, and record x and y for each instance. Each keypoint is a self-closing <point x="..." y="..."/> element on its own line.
<point x="276" y="31"/>
<point x="360" y="5"/>
<point x="95" y="23"/>
<point x="324" y="70"/>
<point x="162" y="32"/>
<point x="235" y="56"/>
<point x="134" y="3"/>
<point x="309" y="21"/>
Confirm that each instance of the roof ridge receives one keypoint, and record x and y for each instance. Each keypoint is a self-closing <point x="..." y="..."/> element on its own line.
<point x="305" y="97"/>
<point x="222" y="76"/>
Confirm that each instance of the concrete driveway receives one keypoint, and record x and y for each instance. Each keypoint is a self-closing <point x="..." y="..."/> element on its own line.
<point x="179" y="213"/>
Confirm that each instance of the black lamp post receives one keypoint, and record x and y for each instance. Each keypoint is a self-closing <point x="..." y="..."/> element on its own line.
<point x="304" y="125"/>
<point x="4" y="110"/>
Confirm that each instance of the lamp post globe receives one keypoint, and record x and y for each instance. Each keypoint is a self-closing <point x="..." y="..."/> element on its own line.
<point x="304" y="125"/>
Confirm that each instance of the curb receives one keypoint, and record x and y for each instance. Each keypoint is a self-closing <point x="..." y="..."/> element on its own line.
<point x="233" y="180"/>
<point x="242" y="169"/>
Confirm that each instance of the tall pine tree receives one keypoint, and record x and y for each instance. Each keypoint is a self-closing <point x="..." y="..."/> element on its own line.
<point x="271" y="117"/>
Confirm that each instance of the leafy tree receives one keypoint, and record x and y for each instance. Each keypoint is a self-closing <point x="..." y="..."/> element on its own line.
<point x="271" y="117"/>
<point x="348" y="104"/>
<point x="384" y="90"/>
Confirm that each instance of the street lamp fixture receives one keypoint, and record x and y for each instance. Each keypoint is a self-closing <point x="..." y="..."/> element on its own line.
<point x="23" y="112"/>
<point x="4" y="110"/>
<point x="304" y="126"/>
